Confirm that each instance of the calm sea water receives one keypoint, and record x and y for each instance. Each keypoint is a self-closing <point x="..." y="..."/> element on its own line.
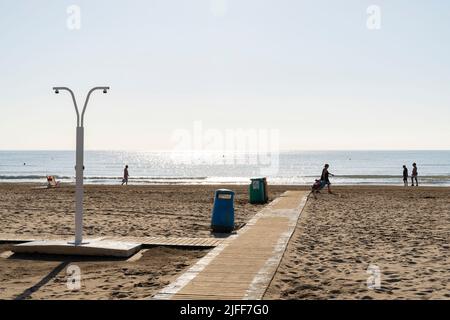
<point x="300" y="168"/>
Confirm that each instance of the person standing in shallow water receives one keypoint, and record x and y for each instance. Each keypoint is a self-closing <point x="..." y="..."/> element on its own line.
<point x="125" y="175"/>
<point x="405" y="175"/>
<point x="414" y="175"/>
<point x="325" y="177"/>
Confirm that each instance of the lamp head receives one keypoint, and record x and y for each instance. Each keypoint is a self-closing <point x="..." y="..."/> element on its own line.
<point x="56" y="91"/>
<point x="105" y="89"/>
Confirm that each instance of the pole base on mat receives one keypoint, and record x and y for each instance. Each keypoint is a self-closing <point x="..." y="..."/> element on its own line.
<point x="90" y="248"/>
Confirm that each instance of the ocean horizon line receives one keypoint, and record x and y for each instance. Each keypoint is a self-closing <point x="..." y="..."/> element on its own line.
<point x="225" y="151"/>
<point x="289" y="167"/>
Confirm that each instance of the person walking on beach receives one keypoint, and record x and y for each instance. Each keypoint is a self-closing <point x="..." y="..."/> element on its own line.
<point x="125" y="175"/>
<point x="414" y="175"/>
<point x="405" y="175"/>
<point x="324" y="178"/>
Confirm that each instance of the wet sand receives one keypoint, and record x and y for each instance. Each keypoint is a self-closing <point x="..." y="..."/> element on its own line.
<point x="403" y="233"/>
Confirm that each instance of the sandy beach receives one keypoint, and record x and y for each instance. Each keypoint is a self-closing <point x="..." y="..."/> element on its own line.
<point x="405" y="233"/>
<point x="46" y="277"/>
<point x="402" y="232"/>
<point x="139" y="211"/>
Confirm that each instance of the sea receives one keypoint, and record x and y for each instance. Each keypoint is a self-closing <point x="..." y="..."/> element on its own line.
<point x="284" y="168"/>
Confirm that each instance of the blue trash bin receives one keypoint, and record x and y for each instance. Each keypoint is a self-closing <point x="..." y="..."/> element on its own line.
<point x="222" y="219"/>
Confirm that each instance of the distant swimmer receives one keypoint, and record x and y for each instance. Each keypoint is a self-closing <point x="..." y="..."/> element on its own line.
<point x="414" y="175"/>
<point x="405" y="176"/>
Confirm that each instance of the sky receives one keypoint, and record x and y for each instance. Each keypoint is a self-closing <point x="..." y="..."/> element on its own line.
<point x="313" y="72"/>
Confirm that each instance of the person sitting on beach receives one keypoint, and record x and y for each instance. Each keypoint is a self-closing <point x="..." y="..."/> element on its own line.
<point x="125" y="175"/>
<point x="405" y="175"/>
<point x="414" y="175"/>
<point x="324" y="178"/>
<point x="51" y="182"/>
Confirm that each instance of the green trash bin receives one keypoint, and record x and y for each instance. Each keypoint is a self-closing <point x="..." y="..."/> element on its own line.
<point x="258" y="191"/>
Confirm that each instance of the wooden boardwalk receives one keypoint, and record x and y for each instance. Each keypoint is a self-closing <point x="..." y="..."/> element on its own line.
<point x="171" y="241"/>
<point x="144" y="241"/>
<point x="242" y="266"/>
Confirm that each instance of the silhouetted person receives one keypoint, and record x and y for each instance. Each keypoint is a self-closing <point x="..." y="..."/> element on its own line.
<point x="316" y="188"/>
<point x="414" y="175"/>
<point x="405" y="175"/>
<point x="125" y="175"/>
<point x="324" y="178"/>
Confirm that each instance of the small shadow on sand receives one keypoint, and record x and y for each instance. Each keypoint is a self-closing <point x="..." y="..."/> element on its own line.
<point x="62" y="258"/>
<point x="28" y="292"/>
<point x="222" y="235"/>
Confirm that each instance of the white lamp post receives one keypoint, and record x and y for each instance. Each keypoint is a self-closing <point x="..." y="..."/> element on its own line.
<point x="95" y="247"/>
<point x="79" y="161"/>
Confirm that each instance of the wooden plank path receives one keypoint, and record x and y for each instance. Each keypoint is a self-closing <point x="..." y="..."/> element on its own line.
<point x="145" y="241"/>
<point x="242" y="266"/>
<point x="171" y="241"/>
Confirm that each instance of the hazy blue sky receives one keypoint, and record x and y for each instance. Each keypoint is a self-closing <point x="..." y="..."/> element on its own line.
<point x="311" y="69"/>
